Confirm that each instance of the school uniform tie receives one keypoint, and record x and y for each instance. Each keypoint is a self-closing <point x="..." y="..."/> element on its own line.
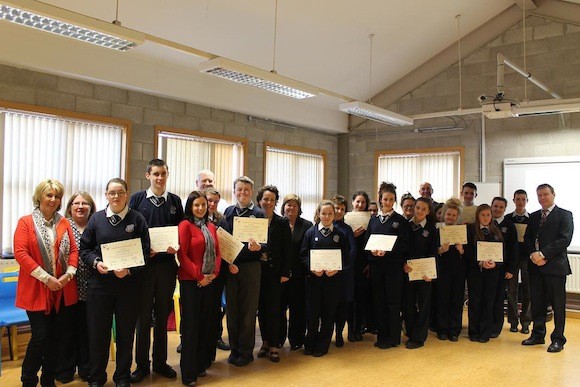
<point x="520" y="218"/>
<point x="325" y="231"/>
<point x="543" y="218"/>
<point x="383" y="218"/>
<point x="241" y="211"/>
<point x="157" y="200"/>
<point x="485" y="231"/>
<point x="115" y="219"/>
<point x="415" y="226"/>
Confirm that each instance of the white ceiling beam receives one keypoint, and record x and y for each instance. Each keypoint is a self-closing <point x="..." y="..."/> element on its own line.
<point x="564" y="11"/>
<point x="528" y="5"/>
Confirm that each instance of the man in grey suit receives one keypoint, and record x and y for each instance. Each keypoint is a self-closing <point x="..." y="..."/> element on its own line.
<point x="547" y="237"/>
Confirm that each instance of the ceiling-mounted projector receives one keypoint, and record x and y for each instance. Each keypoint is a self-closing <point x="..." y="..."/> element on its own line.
<point x="499" y="110"/>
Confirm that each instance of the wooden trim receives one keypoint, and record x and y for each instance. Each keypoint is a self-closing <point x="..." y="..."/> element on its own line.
<point x="68" y="114"/>
<point x="402" y="152"/>
<point x="293" y="148"/>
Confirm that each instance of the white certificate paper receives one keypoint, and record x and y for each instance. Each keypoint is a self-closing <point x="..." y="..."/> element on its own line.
<point x="123" y="254"/>
<point x="468" y="214"/>
<point x="489" y="251"/>
<point x="246" y="228"/>
<point x="357" y="219"/>
<point x="453" y="234"/>
<point x="422" y="267"/>
<point x="325" y="259"/>
<point x="230" y="247"/>
<point x="381" y="242"/>
<point x="521" y="229"/>
<point x="164" y="237"/>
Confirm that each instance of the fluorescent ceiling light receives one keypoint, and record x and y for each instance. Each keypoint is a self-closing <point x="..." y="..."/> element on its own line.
<point x="374" y="113"/>
<point x="59" y="21"/>
<point x="556" y="106"/>
<point x="262" y="79"/>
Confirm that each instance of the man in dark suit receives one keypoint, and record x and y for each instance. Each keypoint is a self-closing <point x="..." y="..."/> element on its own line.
<point x="547" y="237"/>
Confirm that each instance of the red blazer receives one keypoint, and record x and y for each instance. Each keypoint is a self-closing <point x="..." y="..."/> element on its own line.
<point x="191" y="249"/>
<point x="32" y="294"/>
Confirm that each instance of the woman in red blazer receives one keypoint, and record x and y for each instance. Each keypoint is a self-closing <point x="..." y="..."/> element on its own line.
<point x="45" y="248"/>
<point x="200" y="259"/>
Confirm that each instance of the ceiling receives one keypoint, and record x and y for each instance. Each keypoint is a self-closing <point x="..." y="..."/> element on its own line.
<point x="324" y="43"/>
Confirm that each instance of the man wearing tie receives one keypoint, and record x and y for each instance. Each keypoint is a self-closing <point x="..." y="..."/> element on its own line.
<point x="547" y="237"/>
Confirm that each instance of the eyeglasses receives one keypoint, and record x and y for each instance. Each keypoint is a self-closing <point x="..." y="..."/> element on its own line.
<point x="81" y="204"/>
<point x="112" y="194"/>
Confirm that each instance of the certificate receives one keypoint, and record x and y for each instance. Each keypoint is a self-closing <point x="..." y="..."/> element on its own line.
<point x="123" y="254"/>
<point x="521" y="229"/>
<point x="381" y="242"/>
<point x="439" y="224"/>
<point x="230" y="247"/>
<point x="468" y="214"/>
<point x="422" y="267"/>
<point x="453" y="234"/>
<point x="163" y="237"/>
<point x="246" y="228"/>
<point x="325" y="259"/>
<point x="490" y="251"/>
<point x="357" y="219"/>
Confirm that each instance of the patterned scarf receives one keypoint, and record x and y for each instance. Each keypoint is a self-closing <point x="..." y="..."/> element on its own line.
<point x="46" y="242"/>
<point x="208" y="266"/>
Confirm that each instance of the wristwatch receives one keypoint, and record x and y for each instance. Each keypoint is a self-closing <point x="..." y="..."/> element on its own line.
<point x="95" y="262"/>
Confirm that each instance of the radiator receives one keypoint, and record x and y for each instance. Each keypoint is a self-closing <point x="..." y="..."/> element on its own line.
<point x="573" y="281"/>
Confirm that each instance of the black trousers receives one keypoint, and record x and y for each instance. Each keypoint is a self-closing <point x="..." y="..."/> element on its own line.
<point x="450" y="286"/>
<point x="43" y="348"/>
<point x="158" y="285"/>
<point x="217" y="313"/>
<point x="500" y="296"/>
<point x="197" y="305"/>
<point x="358" y="315"/>
<point x="416" y="309"/>
<point x="294" y="301"/>
<point x="269" y="306"/>
<point x="482" y="285"/>
<point x="71" y="343"/>
<point x="322" y="296"/>
<point x="122" y="302"/>
<point x="548" y="290"/>
<point x="387" y="284"/>
<point x="242" y="296"/>
<point x="513" y="289"/>
<point x="342" y="312"/>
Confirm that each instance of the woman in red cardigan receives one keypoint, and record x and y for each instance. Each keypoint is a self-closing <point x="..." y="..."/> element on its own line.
<point x="45" y="248"/>
<point x="200" y="259"/>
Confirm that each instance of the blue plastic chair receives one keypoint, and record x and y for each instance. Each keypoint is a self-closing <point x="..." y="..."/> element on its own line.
<point x="10" y="315"/>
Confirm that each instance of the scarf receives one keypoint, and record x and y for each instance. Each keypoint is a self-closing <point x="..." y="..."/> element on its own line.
<point x="45" y="237"/>
<point x="208" y="266"/>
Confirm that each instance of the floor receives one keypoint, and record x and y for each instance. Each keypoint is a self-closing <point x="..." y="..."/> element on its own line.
<point x="502" y="361"/>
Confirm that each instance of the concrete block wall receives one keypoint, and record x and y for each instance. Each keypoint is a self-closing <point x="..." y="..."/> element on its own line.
<point x="552" y="55"/>
<point x="146" y="111"/>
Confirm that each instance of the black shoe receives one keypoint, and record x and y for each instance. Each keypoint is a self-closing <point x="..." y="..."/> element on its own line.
<point x="139" y="374"/>
<point x="65" y="379"/>
<point x="308" y="351"/>
<point x="318" y="354"/>
<point x="453" y="338"/>
<point x="233" y="358"/>
<point x="483" y="340"/>
<point x="48" y="384"/>
<point x="358" y="336"/>
<point x="442" y="336"/>
<point x="295" y="347"/>
<point x="494" y="336"/>
<point x="473" y="338"/>
<point x="383" y="345"/>
<point x="533" y="340"/>
<point x="555" y="347"/>
<point x="123" y="383"/>
<point x="189" y="382"/>
<point x="263" y="352"/>
<point x="222" y="345"/>
<point x="514" y="328"/>
<point x="339" y="341"/>
<point x="351" y="337"/>
<point x="166" y="371"/>
<point x="244" y="360"/>
<point x="525" y="329"/>
<point x="414" y="344"/>
<point x="178" y="349"/>
<point x="95" y="384"/>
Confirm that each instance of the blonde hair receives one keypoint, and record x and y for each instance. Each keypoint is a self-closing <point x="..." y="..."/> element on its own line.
<point x="323" y="203"/>
<point x="43" y="187"/>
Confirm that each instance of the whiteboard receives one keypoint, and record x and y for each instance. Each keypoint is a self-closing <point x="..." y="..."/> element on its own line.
<point x="486" y="192"/>
<point x="560" y="172"/>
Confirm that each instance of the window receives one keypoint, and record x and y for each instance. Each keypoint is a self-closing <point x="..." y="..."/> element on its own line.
<point x="187" y="153"/>
<point x="81" y="154"/>
<point x="407" y="170"/>
<point x="296" y="170"/>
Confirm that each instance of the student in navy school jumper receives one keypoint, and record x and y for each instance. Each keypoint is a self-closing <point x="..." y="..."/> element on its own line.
<point x="450" y="284"/>
<point x="323" y="286"/>
<point x="160" y="208"/>
<point x="386" y="268"/>
<point x="417" y="294"/>
<point x="482" y="276"/>
<point x="347" y="287"/>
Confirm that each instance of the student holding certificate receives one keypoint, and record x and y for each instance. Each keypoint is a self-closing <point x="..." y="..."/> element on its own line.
<point x="386" y="268"/>
<point x="199" y="258"/>
<point x="322" y="286"/>
<point x="417" y="294"/>
<point x="116" y="292"/>
<point x="482" y="276"/>
<point x="450" y="282"/>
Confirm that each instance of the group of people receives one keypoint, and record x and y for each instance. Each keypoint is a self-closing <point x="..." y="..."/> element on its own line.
<point x="75" y="302"/>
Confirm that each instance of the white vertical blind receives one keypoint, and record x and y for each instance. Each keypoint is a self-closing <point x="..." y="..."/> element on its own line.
<point x="409" y="171"/>
<point x="187" y="155"/>
<point x="298" y="173"/>
<point x="81" y="155"/>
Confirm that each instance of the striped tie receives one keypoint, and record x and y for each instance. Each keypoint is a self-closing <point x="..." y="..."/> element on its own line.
<point x="543" y="218"/>
<point x="115" y="219"/>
